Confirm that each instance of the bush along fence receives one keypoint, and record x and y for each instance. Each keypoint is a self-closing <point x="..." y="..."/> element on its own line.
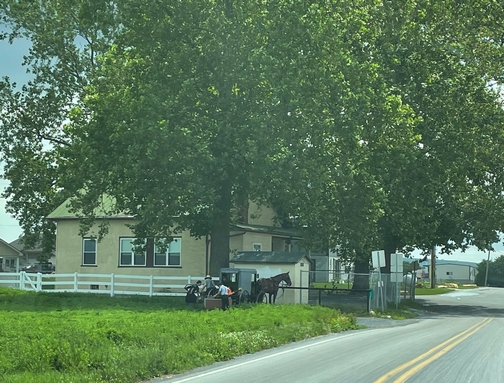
<point x="111" y="284"/>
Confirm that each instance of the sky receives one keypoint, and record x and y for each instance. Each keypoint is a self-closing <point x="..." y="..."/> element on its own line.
<point x="11" y="58"/>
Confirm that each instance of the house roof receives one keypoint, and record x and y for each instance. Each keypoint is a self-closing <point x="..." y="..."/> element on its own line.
<point x="267" y="230"/>
<point x="18" y="244"/>
<point x="450" y="262"/>
<point x="103" y="211"/>
<point x="269" y="257"/>
<point x="9" y="246"/>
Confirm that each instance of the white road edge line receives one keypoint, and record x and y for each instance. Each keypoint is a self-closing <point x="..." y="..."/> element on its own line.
<point x="262" y="358"/>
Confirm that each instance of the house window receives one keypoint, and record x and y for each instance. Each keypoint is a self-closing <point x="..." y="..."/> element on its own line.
<point x="88" y="251"/>
<point x="449" y="273"/>
<point x="257" y="246"/>
<point x="170" y="257"/>
<point x="128" y="257"/>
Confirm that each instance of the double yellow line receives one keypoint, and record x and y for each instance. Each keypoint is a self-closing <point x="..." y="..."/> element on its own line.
<point x="443" y="349"/>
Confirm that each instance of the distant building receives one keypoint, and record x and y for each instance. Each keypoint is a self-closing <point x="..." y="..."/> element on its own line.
<point x="453" y="271"/>
<point x="9" y="257"/>
<point x="30" y="256"/>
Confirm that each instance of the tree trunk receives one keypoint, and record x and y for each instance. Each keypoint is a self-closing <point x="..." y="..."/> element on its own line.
<point x="390" y="245"/>
<point x="219" y="232"/>
<point x="361" y="281"/>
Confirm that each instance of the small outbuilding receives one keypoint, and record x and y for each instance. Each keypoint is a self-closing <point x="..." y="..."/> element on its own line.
<point x="9" y="257"/>
<point x="271" y="263"/>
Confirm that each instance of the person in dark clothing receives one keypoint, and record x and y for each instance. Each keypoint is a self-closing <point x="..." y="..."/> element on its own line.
<point x="192" y="292"/>
<point x="208" y="287"/>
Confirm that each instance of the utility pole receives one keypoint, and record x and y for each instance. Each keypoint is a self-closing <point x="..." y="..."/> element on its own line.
<point x="486" y="274"/>
<point x="433" y="268"/>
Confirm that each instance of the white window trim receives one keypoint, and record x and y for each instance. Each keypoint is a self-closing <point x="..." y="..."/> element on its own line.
<point x="257" y="244"/>
<point x="132" y="254"/>
<point x="167" y="253"/>
<point x="84" y="252"/>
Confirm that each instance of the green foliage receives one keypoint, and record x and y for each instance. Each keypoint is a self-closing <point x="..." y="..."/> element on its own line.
<point x="423" y="284"/>
<point x="434" y="291"/>
<point x="420" y="166"/>
<point x="365" y="124"/>
<point x="495" y="272"/>
<point x="52" y="337"/>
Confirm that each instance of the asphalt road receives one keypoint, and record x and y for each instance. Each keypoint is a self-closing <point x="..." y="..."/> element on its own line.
<point x="461" y="340"/>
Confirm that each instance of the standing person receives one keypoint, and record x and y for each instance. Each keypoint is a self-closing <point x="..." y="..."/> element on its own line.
<point x="192" y="292"/>
<point x="223" y="294"/>
<point x="208" y="287"/>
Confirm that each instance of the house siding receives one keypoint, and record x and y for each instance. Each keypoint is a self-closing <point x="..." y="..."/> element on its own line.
<point x="10" y="257"/>
<point x="69" y="252"/>
<point x="458" y="273"/>
<point x="6" y="251"/>
<point x="250" y="238"/>
<point x="260" y="215"/>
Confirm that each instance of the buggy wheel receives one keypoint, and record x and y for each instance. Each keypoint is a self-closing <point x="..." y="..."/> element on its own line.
<point x="210" y="292"/>
<point x="262" y="298"/>
<point x="244" y="297"/>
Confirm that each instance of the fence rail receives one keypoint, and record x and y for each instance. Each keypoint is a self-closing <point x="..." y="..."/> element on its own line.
<point x="384" y="288"/>
<point x="333" y="294"/>
<point x="335" y="297"/>
<point x="111" y="284"/>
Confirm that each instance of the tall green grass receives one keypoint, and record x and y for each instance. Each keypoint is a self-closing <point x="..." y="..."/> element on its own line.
<point x="82" y="338"/>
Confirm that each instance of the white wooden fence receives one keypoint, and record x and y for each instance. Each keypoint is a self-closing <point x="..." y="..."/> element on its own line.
<point x="111" y="284"/>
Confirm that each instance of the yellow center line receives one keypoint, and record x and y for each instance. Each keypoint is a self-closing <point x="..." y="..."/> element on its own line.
<point x="408" y="374"/>
<point x="404" y="366"/>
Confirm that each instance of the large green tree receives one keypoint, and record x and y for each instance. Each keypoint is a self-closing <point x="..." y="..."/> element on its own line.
<point x="222" y="94"/>
<point x="181" y="111"/>
<point x="430" y="175"/>
<point x="66" y="38"/>
<point x="367" y="124"/>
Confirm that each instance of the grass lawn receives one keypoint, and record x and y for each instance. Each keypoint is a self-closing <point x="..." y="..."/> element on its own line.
<point x="434" y="291"/>
<point x="441" y="290"/>
<point x="83" y="338"/>
<point x="404" y="310"/>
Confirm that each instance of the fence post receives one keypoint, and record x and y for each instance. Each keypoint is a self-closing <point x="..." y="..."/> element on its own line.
<point x="112" y="284"/>
<point x="368" y="305"/>
<point x="151" y="282"/>
<point x="76" y="284"/>
<point x="319" y="297"/>
<point x="39" y="281"/>
<point x="22" y="280"/>
<point x="301" y="290"/>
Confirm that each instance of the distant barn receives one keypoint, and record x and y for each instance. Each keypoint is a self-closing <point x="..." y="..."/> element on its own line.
<point x="452" y="271"/>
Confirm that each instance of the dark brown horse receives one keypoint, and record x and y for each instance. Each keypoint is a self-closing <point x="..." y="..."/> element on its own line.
<point x="271" y="285"/>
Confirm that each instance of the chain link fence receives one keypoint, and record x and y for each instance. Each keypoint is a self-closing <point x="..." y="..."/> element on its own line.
<point x="357" y="290"/>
